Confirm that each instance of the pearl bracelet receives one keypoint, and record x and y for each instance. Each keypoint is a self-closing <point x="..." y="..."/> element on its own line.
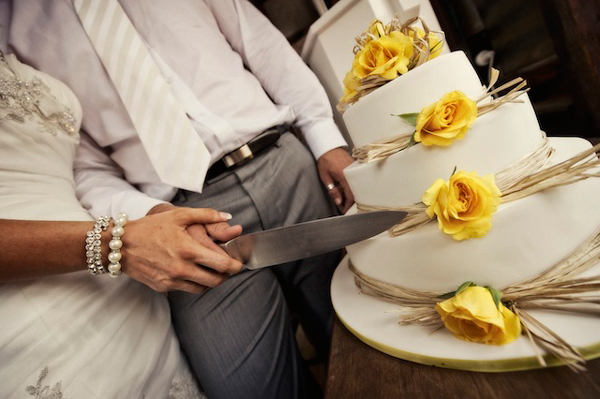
<point x="93" y="246"/>
<point x="115" y="245"/>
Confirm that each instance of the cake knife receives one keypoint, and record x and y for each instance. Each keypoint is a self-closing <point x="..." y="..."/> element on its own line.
<point x="303" y="240"/>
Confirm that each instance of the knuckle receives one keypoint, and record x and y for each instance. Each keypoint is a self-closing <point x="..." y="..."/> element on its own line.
<point x="235" y="267"/>
<point x="160" y="287"/>
<point x="169" y="285"/>
<point x="187" y="252"/>
<point x="228" y="266"/>
<point x="178" y="272"/>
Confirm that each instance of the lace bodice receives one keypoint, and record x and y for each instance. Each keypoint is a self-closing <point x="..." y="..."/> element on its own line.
<point x="39" y="132"/>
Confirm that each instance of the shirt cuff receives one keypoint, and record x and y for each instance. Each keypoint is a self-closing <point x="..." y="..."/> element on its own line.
<point x="323" y="136"/>
<point x="137" y="205"/>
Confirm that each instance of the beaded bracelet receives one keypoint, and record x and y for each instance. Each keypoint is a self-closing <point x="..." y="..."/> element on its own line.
<point x="93" y="246"/>
<point x="116" y="244"/>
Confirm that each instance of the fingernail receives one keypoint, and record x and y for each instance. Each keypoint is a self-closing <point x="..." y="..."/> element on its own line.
<point x="225" y="215"/>
<point x="338" y="201"/>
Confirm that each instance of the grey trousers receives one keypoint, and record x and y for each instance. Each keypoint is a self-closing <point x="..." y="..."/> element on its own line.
<point x="239" y="337"/>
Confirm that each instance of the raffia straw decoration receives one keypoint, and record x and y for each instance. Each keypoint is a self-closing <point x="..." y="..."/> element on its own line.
<point x="526" y="166"/>
<point x="519" y="175"/>
<point x="557" y="288"/>
<point x="567" y="172"/>
<point x="381" y="149"/>
<point x="420" y="54"/>
<point x="486" y="103"/>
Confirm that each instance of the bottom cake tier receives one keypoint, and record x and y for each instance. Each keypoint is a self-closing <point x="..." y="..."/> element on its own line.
<point x="375" y="322"/>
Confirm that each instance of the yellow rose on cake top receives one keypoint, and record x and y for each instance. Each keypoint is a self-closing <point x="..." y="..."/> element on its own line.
<point x="387" y="57"/>
<point x="385" y="52"/>
<point x="351" y="83"/>
<point x="446" y="120"/>
<point x="464" y="204"/>
<point x="472" y="315"/>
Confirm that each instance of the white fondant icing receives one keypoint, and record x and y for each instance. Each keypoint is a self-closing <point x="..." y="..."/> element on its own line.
<point x="527" y="237"/>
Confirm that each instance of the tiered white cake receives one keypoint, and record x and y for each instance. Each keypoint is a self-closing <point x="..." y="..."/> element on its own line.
<point x="527" y="236"/>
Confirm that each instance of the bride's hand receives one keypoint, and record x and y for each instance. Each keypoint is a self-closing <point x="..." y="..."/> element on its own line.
<point x="172" y="249"/>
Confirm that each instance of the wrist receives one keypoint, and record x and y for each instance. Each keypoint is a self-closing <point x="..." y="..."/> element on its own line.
<point x="115" y="245"/>
<point x="93" y="245"/>
<point x="161" y="208"/>
<point x="104" y="242"/>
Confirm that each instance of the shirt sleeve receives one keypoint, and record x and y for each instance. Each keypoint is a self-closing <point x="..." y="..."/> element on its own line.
<point x="101" y="187"/>
<point x="281" y="71"/>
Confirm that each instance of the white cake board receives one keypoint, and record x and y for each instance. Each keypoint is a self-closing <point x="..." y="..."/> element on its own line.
<point x="375" y="322"/>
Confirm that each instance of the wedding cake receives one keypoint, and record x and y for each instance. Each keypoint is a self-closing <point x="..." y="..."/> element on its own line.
<point x="527" y="236"/>
<point x="419" y="139"/>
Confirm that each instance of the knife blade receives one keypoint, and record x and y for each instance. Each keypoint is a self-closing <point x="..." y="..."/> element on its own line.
<point x="303" y="240"/>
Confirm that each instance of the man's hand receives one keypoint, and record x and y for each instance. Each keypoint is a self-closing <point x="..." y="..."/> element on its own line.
<point x="172" y="249"/>
<point x="331" y="166"/>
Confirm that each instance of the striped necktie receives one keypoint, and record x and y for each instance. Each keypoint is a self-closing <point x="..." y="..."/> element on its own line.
<point x="177" y="153"/>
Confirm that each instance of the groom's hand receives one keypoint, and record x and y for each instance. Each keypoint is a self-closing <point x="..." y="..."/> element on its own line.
<point x="331" y="167"/>
<point x="173" y="249"/>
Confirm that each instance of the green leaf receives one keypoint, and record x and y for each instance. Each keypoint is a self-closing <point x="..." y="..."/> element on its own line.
<point x="453" y="172"/>
<point x="460" y="289"/>
<point x="447" y="295"/>
<point x="411" y="119"/>
<point x="464" y="286"/>
<point x="496" y="295"/>
<point x="412" y="141"/>
<point x="432" y="49"/>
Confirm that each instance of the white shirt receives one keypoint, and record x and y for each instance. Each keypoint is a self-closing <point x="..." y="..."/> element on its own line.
<point x="241" y="69"/>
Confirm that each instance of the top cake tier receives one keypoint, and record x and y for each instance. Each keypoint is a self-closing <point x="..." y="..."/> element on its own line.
<point x="373" y="117"/>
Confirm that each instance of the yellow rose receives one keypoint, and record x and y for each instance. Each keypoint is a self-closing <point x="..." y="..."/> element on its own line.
<point x="472" y="316"/>
<point x="446" y="120"/>
<point x="350" y="85"/>
<point x="387" y="56"/>
<point x="435" y="44"/>
<point x="464" y="205"/>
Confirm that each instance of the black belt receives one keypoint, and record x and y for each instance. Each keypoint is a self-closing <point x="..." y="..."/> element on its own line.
<point x="246" y="152"/>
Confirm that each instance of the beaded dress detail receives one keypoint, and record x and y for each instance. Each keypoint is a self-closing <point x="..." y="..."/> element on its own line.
<point x="28" y="99"/>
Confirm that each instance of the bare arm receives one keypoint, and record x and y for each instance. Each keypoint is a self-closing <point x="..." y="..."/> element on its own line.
<point x="30" y="249"/>
<point x="157" y="250"/>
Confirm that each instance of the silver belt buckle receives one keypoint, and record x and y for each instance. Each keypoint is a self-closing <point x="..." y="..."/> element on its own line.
<point x="241" y="155"/>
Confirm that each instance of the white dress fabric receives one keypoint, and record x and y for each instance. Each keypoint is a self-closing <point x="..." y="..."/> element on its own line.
<point x="73" y="335"/>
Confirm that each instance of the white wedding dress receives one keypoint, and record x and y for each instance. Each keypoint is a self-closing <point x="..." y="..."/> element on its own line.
<point x="73" y="335"/>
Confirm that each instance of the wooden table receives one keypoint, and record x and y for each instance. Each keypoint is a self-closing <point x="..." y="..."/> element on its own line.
<point x="356" y="371"/>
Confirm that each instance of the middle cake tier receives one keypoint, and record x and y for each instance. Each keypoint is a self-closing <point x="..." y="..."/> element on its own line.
<point x="527" y="237"/>
<point x="495" y="141"/>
